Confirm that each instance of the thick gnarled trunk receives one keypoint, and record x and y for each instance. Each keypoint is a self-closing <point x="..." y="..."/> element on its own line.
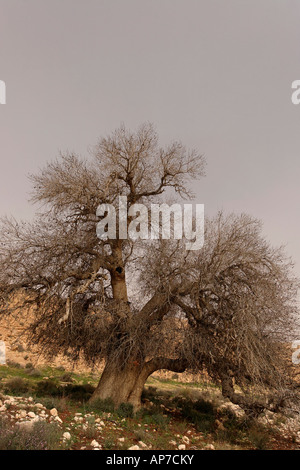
<point x="124" y="384"/>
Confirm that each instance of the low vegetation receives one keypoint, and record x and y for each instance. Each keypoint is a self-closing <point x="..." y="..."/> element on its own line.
<point x="43" y="436"/>
<point x="173" y="414"/>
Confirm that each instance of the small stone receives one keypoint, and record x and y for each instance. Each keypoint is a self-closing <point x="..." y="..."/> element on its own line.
<point x="134" y="448"/>
<point x="39" y="405"/>
<point x="94" y="443"/>
<point x="209" y="447"/>
<point x="31" y="414"/>
<point x="53" y="412"/>
<point x="186" y="440"/>
<point x="121" y="439"/>
<point x="181" y="447"/>
<point x="142" y="444"/>
<point x="78" y="419"/>
<point x="67" y="436"/>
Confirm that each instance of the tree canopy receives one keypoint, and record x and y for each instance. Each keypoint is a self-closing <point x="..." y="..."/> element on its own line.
<point x="146" y="305"/>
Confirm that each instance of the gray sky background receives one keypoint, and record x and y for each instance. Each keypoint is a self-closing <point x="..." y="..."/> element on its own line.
<point x="214" y="74"/>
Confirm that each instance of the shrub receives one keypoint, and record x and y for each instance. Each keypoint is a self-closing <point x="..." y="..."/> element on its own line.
<point x="108" y="444"/>
<point x="202" y="421"/>
<point x="204" y="406"/>
<point x="149" y="393"/>
<point x="79" y="392"/>
<point x="34" y="373"/>
<point x="258" y="438"/>
<point x="42" y="436"/>
<point x="149" y="411"/>
<point x="66" y="377"/>
<point x="230" y="420"/>
<point x="16" y="385"/>
<point x="101" y="406"/>
<point x="235" y="428"/>
<point x="201" y="413"/>
<point x="160" y="420"/>
<point x="13" y="364"/>
<point x="91" y="431"/>
<point x="60" y="403"/>
<point x="48" y="387"/>
<point x="155" y="417"/>
<point x="140" y="434"/>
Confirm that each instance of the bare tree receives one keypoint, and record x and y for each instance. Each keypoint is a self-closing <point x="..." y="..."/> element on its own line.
<point x="226" y="309"/>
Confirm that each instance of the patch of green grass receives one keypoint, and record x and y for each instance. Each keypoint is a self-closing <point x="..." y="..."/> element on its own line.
<point x="6" y="372"/>
<point x="182" y="426"/>
<point x="101" y="406"/>
<point x="155" y="418"/>
<point x="125" y="410"/>
<point x="175" y="383"/>
<point x="160" y="441"/>
<point x="34" y="373"/>
<point x="108" y="444"/>
<point x="201" y="413"/>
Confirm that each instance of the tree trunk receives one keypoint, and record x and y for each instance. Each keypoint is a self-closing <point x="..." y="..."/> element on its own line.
<point x="121" y="385"/>
<point x="124" y="384"/>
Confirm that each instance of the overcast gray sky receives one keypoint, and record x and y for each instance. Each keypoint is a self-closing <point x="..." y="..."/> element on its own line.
<point x="214" y="74"/>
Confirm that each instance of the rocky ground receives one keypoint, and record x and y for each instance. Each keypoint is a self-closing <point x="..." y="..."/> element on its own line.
<point x="48" y="409"/>
<point x="83" y="430"/>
